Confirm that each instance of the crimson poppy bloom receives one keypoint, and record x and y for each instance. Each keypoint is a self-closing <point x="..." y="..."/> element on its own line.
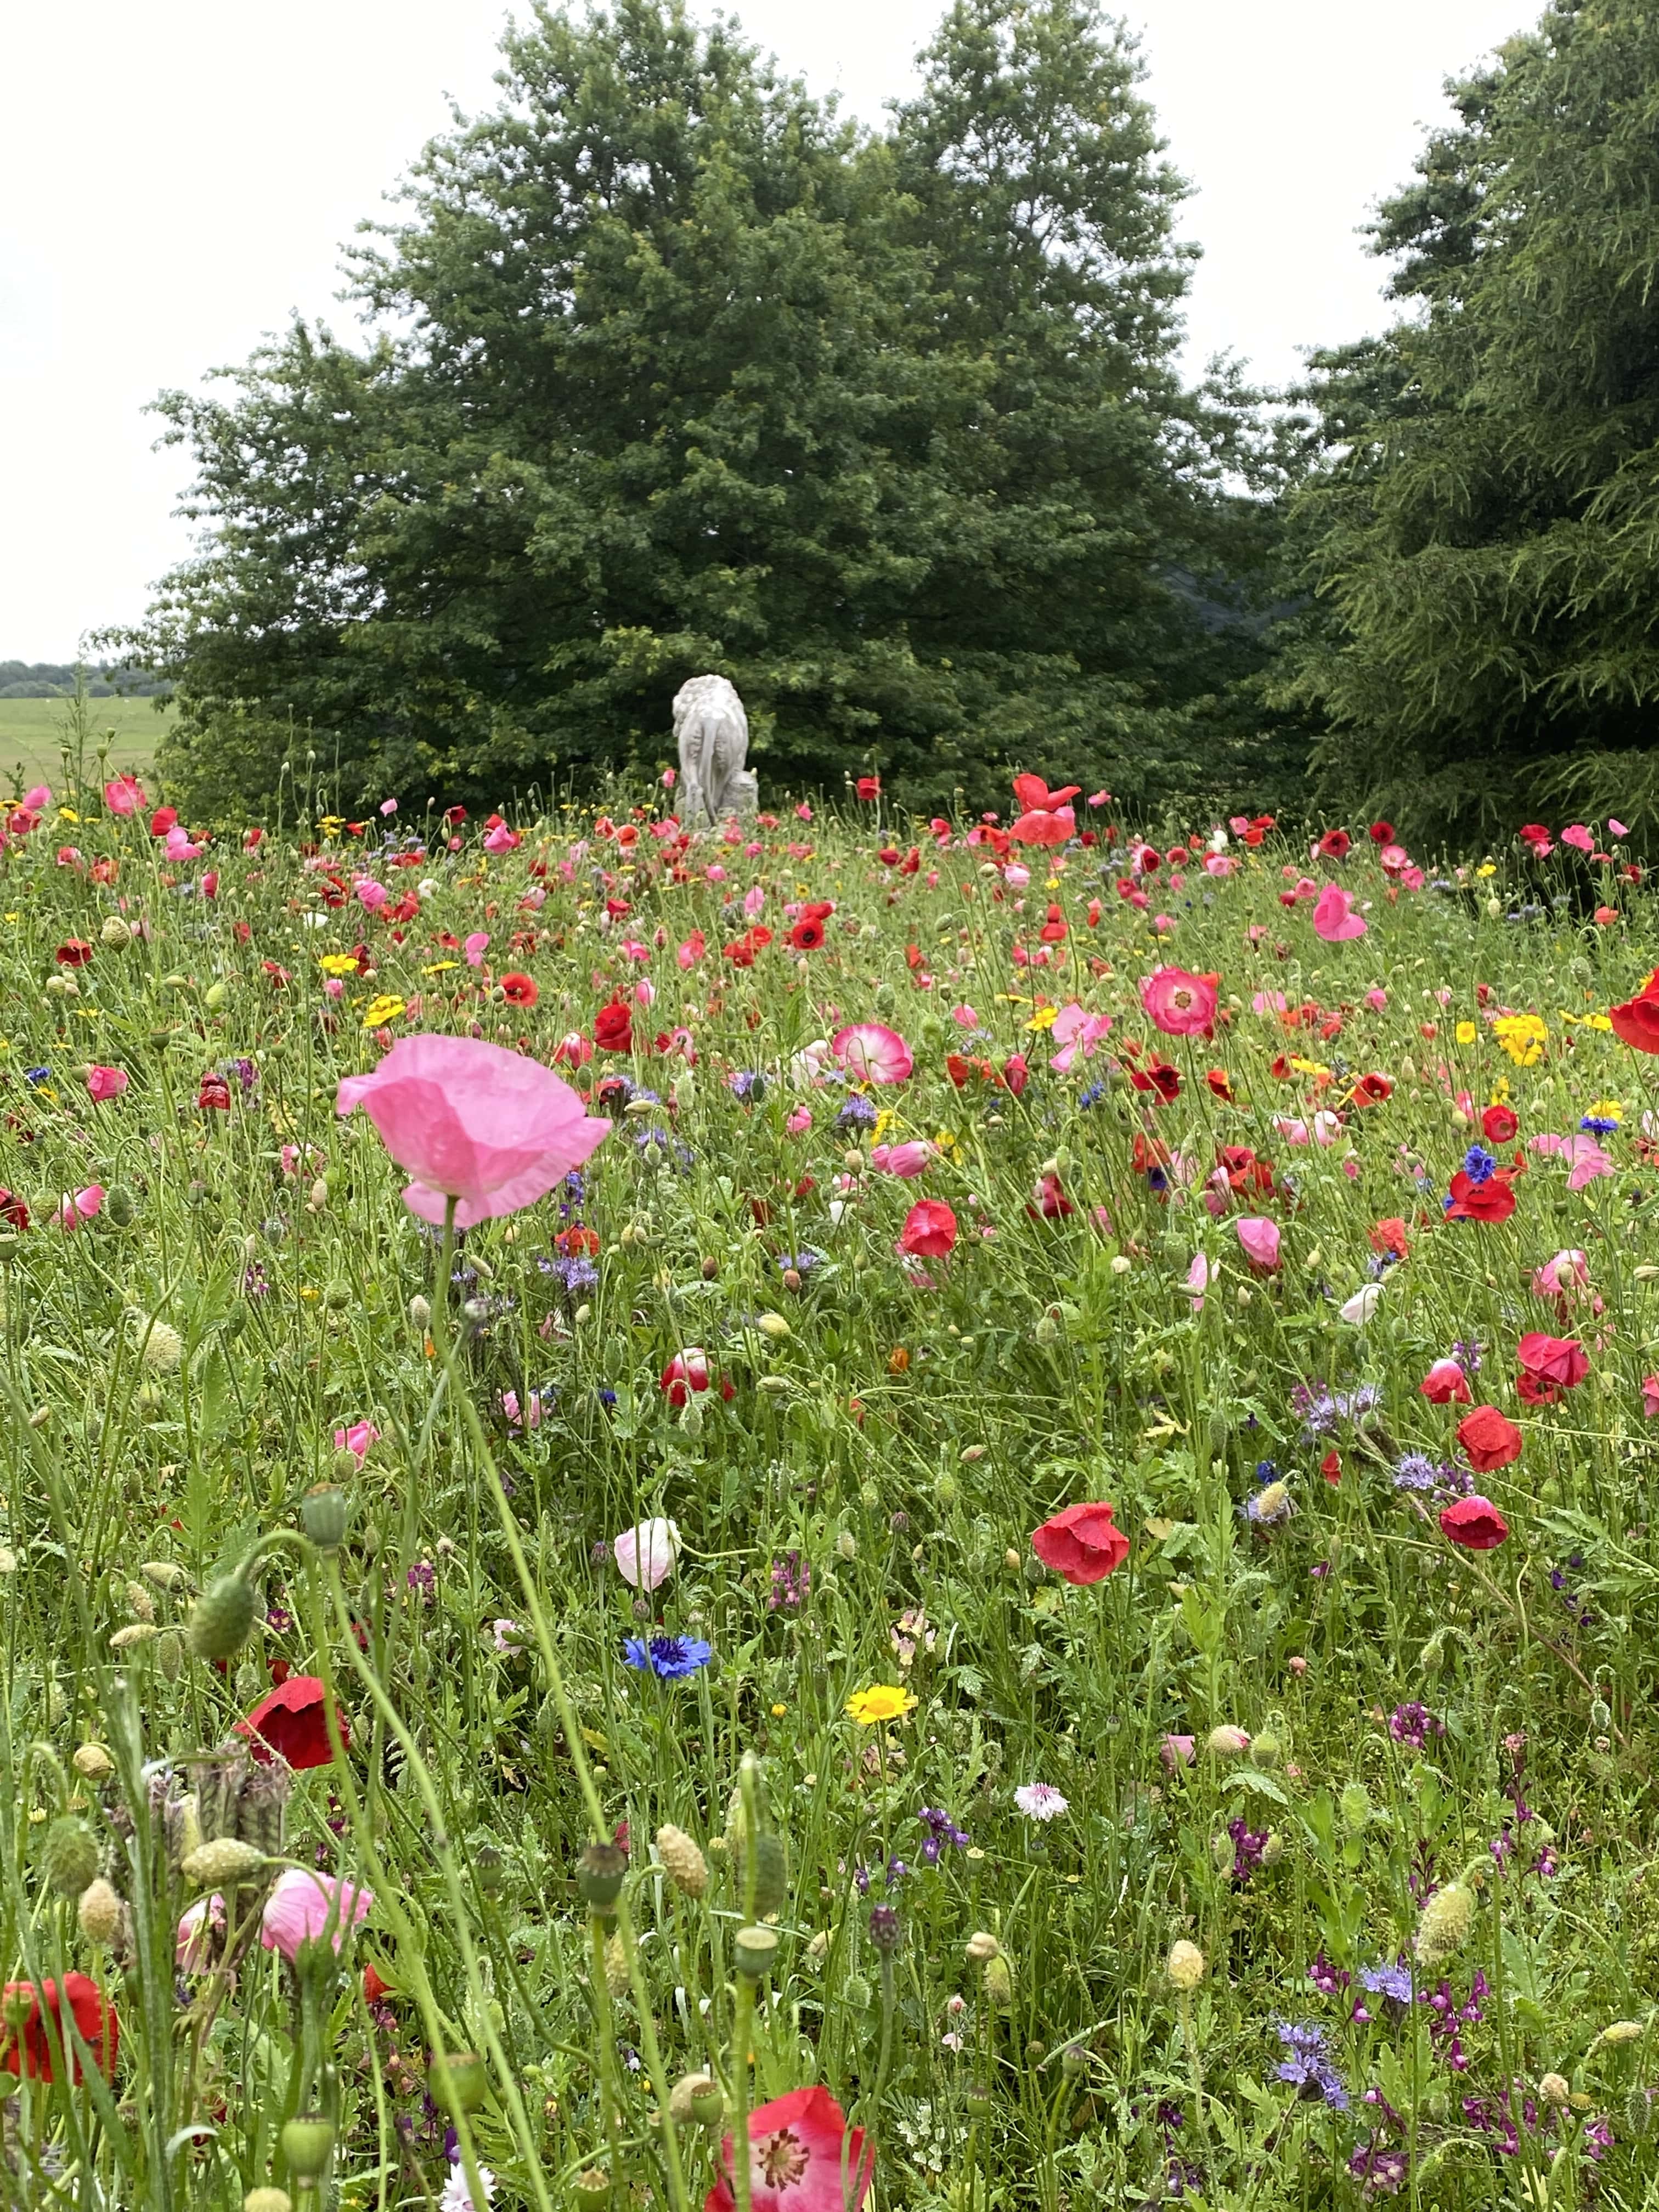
<point x="1499" y="1125"/>
<point x="1475" y="1523"/>
<point x="1333" y="845"/>
<point x="74" y="953"/>
<point x="807" y="934"/>
<point x="1445" y="1382"/>
<point x="1381" y="833"/>
<point x="869" y="788"/>
<point x="1489" y="1440"/>
<point x="1082" y="1544"/>
<point x="929" y="1231"/>
<point x="13" y="1211"/>
<point x="1221" y="1084"/>
<point x="214" y="1094"/>
<point x="1159" y="1076"/>
<point x="31" y="2045"/>
<point x="1372" y="1091"/>
<point x="1492" y="1200"/>
<point x="613" y="1027"/>
<point x="289" y="1724"/>
<point x="1389" y="1236"/>
<point x="519" y="990"/>
<point x="1638" y="1020"/>
<point x="1550" y="1364"/>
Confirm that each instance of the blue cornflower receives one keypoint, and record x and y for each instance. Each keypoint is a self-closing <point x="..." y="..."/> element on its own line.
<point x="1093" y="1095"/>
<point x="669" y="1658"/>
<point x="607" y="1397"/>
<point x="1598" y="1125"/>
<point x="802" y="1263"/>
<point x="1266" y="1471"/>
<point x="34" y="1076"/>
<point x="1479" y="1164"/>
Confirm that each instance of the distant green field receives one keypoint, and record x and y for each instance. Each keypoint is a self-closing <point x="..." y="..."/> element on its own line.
<point x="31" y="735"/>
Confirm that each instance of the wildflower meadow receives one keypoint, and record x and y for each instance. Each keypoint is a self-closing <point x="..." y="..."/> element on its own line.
<point x="948" y="1513"/>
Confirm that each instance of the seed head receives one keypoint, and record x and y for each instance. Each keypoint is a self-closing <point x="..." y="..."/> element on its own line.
<point x="1185" y="1966"/>
<point x="222" y="1863"/>
<point x="100" y="1913"/>
<point x="1444" y="1927"/>
<point x="685" y="1865"/>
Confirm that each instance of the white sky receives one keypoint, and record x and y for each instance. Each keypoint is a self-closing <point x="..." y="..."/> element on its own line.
<point x="176" y="175"/>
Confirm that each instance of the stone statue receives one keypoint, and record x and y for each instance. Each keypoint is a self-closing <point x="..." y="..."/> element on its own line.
<point x="712" y="732"/>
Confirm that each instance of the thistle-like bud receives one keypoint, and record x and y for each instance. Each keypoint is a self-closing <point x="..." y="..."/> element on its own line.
<point x="1185" y="1966"/>
<point x="771" y="1871"/>
<point x="684" y="1864"/>
<point x="1227" y="1742"/>
<point x="1355" y="1806"/>
<point x="1555" y="2089"/>
<point x="1266" y="1750"/>
<point x="261" y="1807"/>
<point x="222" y="1619"/>
<point x="616" y="1965"/>
<point x="884" y="1930"/>
<point x="1444" y="1925"/>
<point x="306" y="2141"/>
<point x="222" y="1863"/>
<point x="69" y="1856"/>
<point x="92" y="1762"/>
<point x="857" y="1992"/>
<point x="1638" y="2111"/>
<point x="1222" y="1856"/>
<point x="982" y="1947"/>
<point x="998" y="1982"/>
<point x="101" y="1914"/>
<point x="170" y="1654"/>
<point x="1621" y="2031"/>
<point x="267" y="2200"/>
<point x="120" y="1206"/>
<point x="1274" y="1850"/>
<point x="599" y="1874"/>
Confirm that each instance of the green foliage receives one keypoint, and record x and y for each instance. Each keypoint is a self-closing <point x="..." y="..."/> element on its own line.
<point x="1485" y="544"/>
<point x="675" y="372"/>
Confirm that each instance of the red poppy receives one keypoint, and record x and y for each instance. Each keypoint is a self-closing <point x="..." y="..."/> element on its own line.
<point x="1054" y="930"/>
<point x="613" y="1027"/>
<point x="1221" y="1083"/>
<point x="74" y="953"/>
<point x="1489" y="1440"/>
<point x="1081" y="1544"/>
<point x="519" y="990"/>
<point x="163" y="819"/>
<point x="807" y="934"/>
<point x="1157" y="1075"/>
<point x="578" y="1241"/>
<point x="13" y="1210"/>
<point x="1389" y="1235"/>
<point x="1331" y="1468"/>
<point x="1550" y="1364"/>
<point x="31" y="2044"/>
<point x="215" y="1094"/>
<point x="869" y="788"/>
<point x="1381" y="833"/>
<point x="1372" y="1091"/>
<point x="1638" y="1020"/>
<point x="1475" y="1523"/>
<point x="1333" y="845"/>
<point x="289" y="1724"/>
<point x="1015" y="1073"/>
<point x="1492" y="1200"/>
<point x="929" y="1231"/>
<point x="1049" y="1198"/>
<point x="1499" y="1125"/>
<point x="1444" y="1381"/>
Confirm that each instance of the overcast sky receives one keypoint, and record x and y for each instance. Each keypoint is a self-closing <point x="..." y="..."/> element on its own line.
<point x="175" y="177"/>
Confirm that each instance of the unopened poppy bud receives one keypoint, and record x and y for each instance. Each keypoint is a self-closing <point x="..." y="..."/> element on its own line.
<point x="771" y="1872"/>
<point x="317" y="1198"/>
<point x="946" y="1489"/>
<point x="970" y="1453"/>
<point x="118" y="1207"/>
<point x="1443" y="1927"/>
<point x="1266" y="1750"/>
<point x="1011" y="1558"/>
<point x="306" y="2141"/>
<point x="164" y="1573"/>
<point x="1046" y="1330"/>
<point x="615" y="1966"/>
<point x="1621" y="2031"/>
<point x="685" y="1865"/>
<point x="1227" y="1742"/>
<point x="69" y="1856"/>
<point x="999" y="1983"/>
<point x="222" y="1863"/>
<point x="592" y="2190"/>
<point x="100" y="1913"/>
<point x="1601" y="1715"/>
<point x="1638" y="2111"/>
<point x="753" y="1951"/>
<point x="1222" y="1856"/>
<point x="92" y="1762"/>
<point x="599" y="1873"/>
<point x="223" y="1617"/>
<point x="847" y="1543"/>
<point x="1355" y="1805"/>
<point x="459" y="2081"/>
<point x="324" y="1513"/>
<point x="773" y="1325"/>
<point x="1274" y="1850"/>
<point x="419" y="1311"/>
<point x="1185" y="1966"/>
<point x="115" y="933"/>
<point x="1555" y="2089"/>
<point x="857" y="1992"/>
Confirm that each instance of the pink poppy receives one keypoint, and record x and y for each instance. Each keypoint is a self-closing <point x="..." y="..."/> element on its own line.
<point x="1179" y="1003"/>
<point x="356" y="1439"/>
<point x="1335" y="919"/>
<point x="645" y="1554"/>
<point x="799" y="2145"/>
<point x="1584" y="1157"/>
<point x="106" y="1082"/>
<point x="1616" y="829"/>
<point x="1077" y="1034"/>
<point x="500" y="839"/>
<point x="124" y="794"/>
<point x="85" y="1206"/>
<point x="474" y="946"/>
<point x="906" y="1159"/>
<point x="303" y="1907"/>
<point x="1578" y="837"/>
<point x="1260" y="1238"/>
<point x="1562" y="1278"/>
<point x="875" y="1053"/>
<point x="1650" y="1396"/>
<point x="471" y="1121"/>
<point x="1199" y="1277"/>
<point x="369" y="893"/>
<point x="1178" y="1751"/>
<point x="929" y="1231"/>
<point x="1081" y="1544"/>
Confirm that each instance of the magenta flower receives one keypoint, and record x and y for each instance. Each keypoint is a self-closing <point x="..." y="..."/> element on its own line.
<point x="877" y="1054"/>
<point x="85" y="1206"/>
<point x="303" y="1907"/>
<point x="106" y="1082"/>
<point x="1335" y="919"/>
<point x="1260" y="1238"/>
<point x="356" y="1439"/>
<point x="124" y="794"/>
<point x="906" y="1159"/>
<point x="799" y="2148"/>
<point x="471" y="1121"/>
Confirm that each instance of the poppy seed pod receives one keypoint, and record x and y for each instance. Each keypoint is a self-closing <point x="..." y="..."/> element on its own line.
<point x="223" y="1617"/>
<point x="324" y="1513"/>
<point x="599" y="1873"/>
<point x="592" y="2190"/>
<point x="459" y="2082"/>
<point x="306" y="2141"/>
<point x="753" y="1951"/>
<point x="685" y="1865"/>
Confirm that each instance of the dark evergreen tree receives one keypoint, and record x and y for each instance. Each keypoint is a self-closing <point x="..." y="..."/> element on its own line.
<point x="1484" y="540"/>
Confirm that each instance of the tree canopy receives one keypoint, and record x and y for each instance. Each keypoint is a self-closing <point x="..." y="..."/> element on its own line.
<point x="1485" y="539"/>
<point x="666" y="369"/>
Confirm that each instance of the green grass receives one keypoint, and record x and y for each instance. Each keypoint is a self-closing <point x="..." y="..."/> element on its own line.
<point x="31" y="734"/>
